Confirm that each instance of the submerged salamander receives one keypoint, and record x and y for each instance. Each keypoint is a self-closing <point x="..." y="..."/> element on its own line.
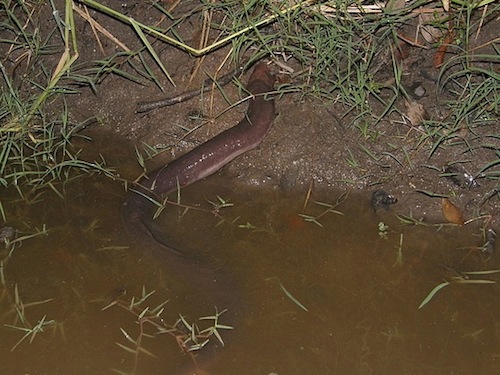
<point x="198" y="163"/>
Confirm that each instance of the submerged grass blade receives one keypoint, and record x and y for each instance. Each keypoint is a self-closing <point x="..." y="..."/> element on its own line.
<point x="486" y="272"/>
<point x="292" y="298"/>
<point x="437" y="288"/>
<point x="288" y="294"/>
<point x="432" y="293"/>
<point x="31" y="332"/>
<point x="126" y="348"/>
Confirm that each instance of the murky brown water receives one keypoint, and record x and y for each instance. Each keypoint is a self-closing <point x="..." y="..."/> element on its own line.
<point x="362" y="299"/>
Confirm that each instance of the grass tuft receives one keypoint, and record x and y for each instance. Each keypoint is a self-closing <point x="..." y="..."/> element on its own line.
<point x="35" y="129"/>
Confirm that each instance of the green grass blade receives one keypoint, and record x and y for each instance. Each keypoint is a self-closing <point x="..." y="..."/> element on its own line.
<point x="433" y="293"/>
<point x="151" y="50"/>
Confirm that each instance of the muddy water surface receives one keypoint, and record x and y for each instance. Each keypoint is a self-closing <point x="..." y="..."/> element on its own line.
<point x="361" y="289"/>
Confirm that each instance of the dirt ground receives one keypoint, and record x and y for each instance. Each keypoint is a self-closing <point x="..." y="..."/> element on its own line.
<point x="312" y="143"/>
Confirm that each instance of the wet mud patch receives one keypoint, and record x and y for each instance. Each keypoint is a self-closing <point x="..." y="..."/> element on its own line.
<point x="327" y="143"/>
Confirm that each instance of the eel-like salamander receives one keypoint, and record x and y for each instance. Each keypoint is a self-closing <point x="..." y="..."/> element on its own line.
<point x="198" y="163"/>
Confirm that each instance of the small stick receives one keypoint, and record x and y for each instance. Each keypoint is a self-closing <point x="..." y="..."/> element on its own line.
<point x="224" y="80"/>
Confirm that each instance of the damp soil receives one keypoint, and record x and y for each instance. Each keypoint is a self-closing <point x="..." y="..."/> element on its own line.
<point x="361" y="285"/>
<point x="313" y="143"/>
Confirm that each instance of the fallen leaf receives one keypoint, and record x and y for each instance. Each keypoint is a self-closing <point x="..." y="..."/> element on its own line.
<point x="415" y="112"/>
<point x="429" y="32"/>
<point x="443" y="48"/>
<point x="451" y="212"/>
<point x="395" y="4"/>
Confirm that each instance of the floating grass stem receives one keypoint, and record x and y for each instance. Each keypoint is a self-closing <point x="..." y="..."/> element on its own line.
<point x="31" y="332"/>
<point x="288" y="294"/>
<point x="152" y="325"/>
<point x="328" y="208"/>
<point x="460" y="280"/>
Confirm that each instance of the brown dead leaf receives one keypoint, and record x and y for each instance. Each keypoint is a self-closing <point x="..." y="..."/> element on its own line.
<point x="395" y="5"/>
<point x="443" y="48"/>
<point x="430" y="33"/>
<point x="451" y="212"/>
<point x="415" y="112"/>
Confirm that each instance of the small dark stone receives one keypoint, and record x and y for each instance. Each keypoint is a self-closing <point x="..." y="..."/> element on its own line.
<point x="289" y="178"/>
<point x="382" y="199"/>
<point x="418" y="90"/>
